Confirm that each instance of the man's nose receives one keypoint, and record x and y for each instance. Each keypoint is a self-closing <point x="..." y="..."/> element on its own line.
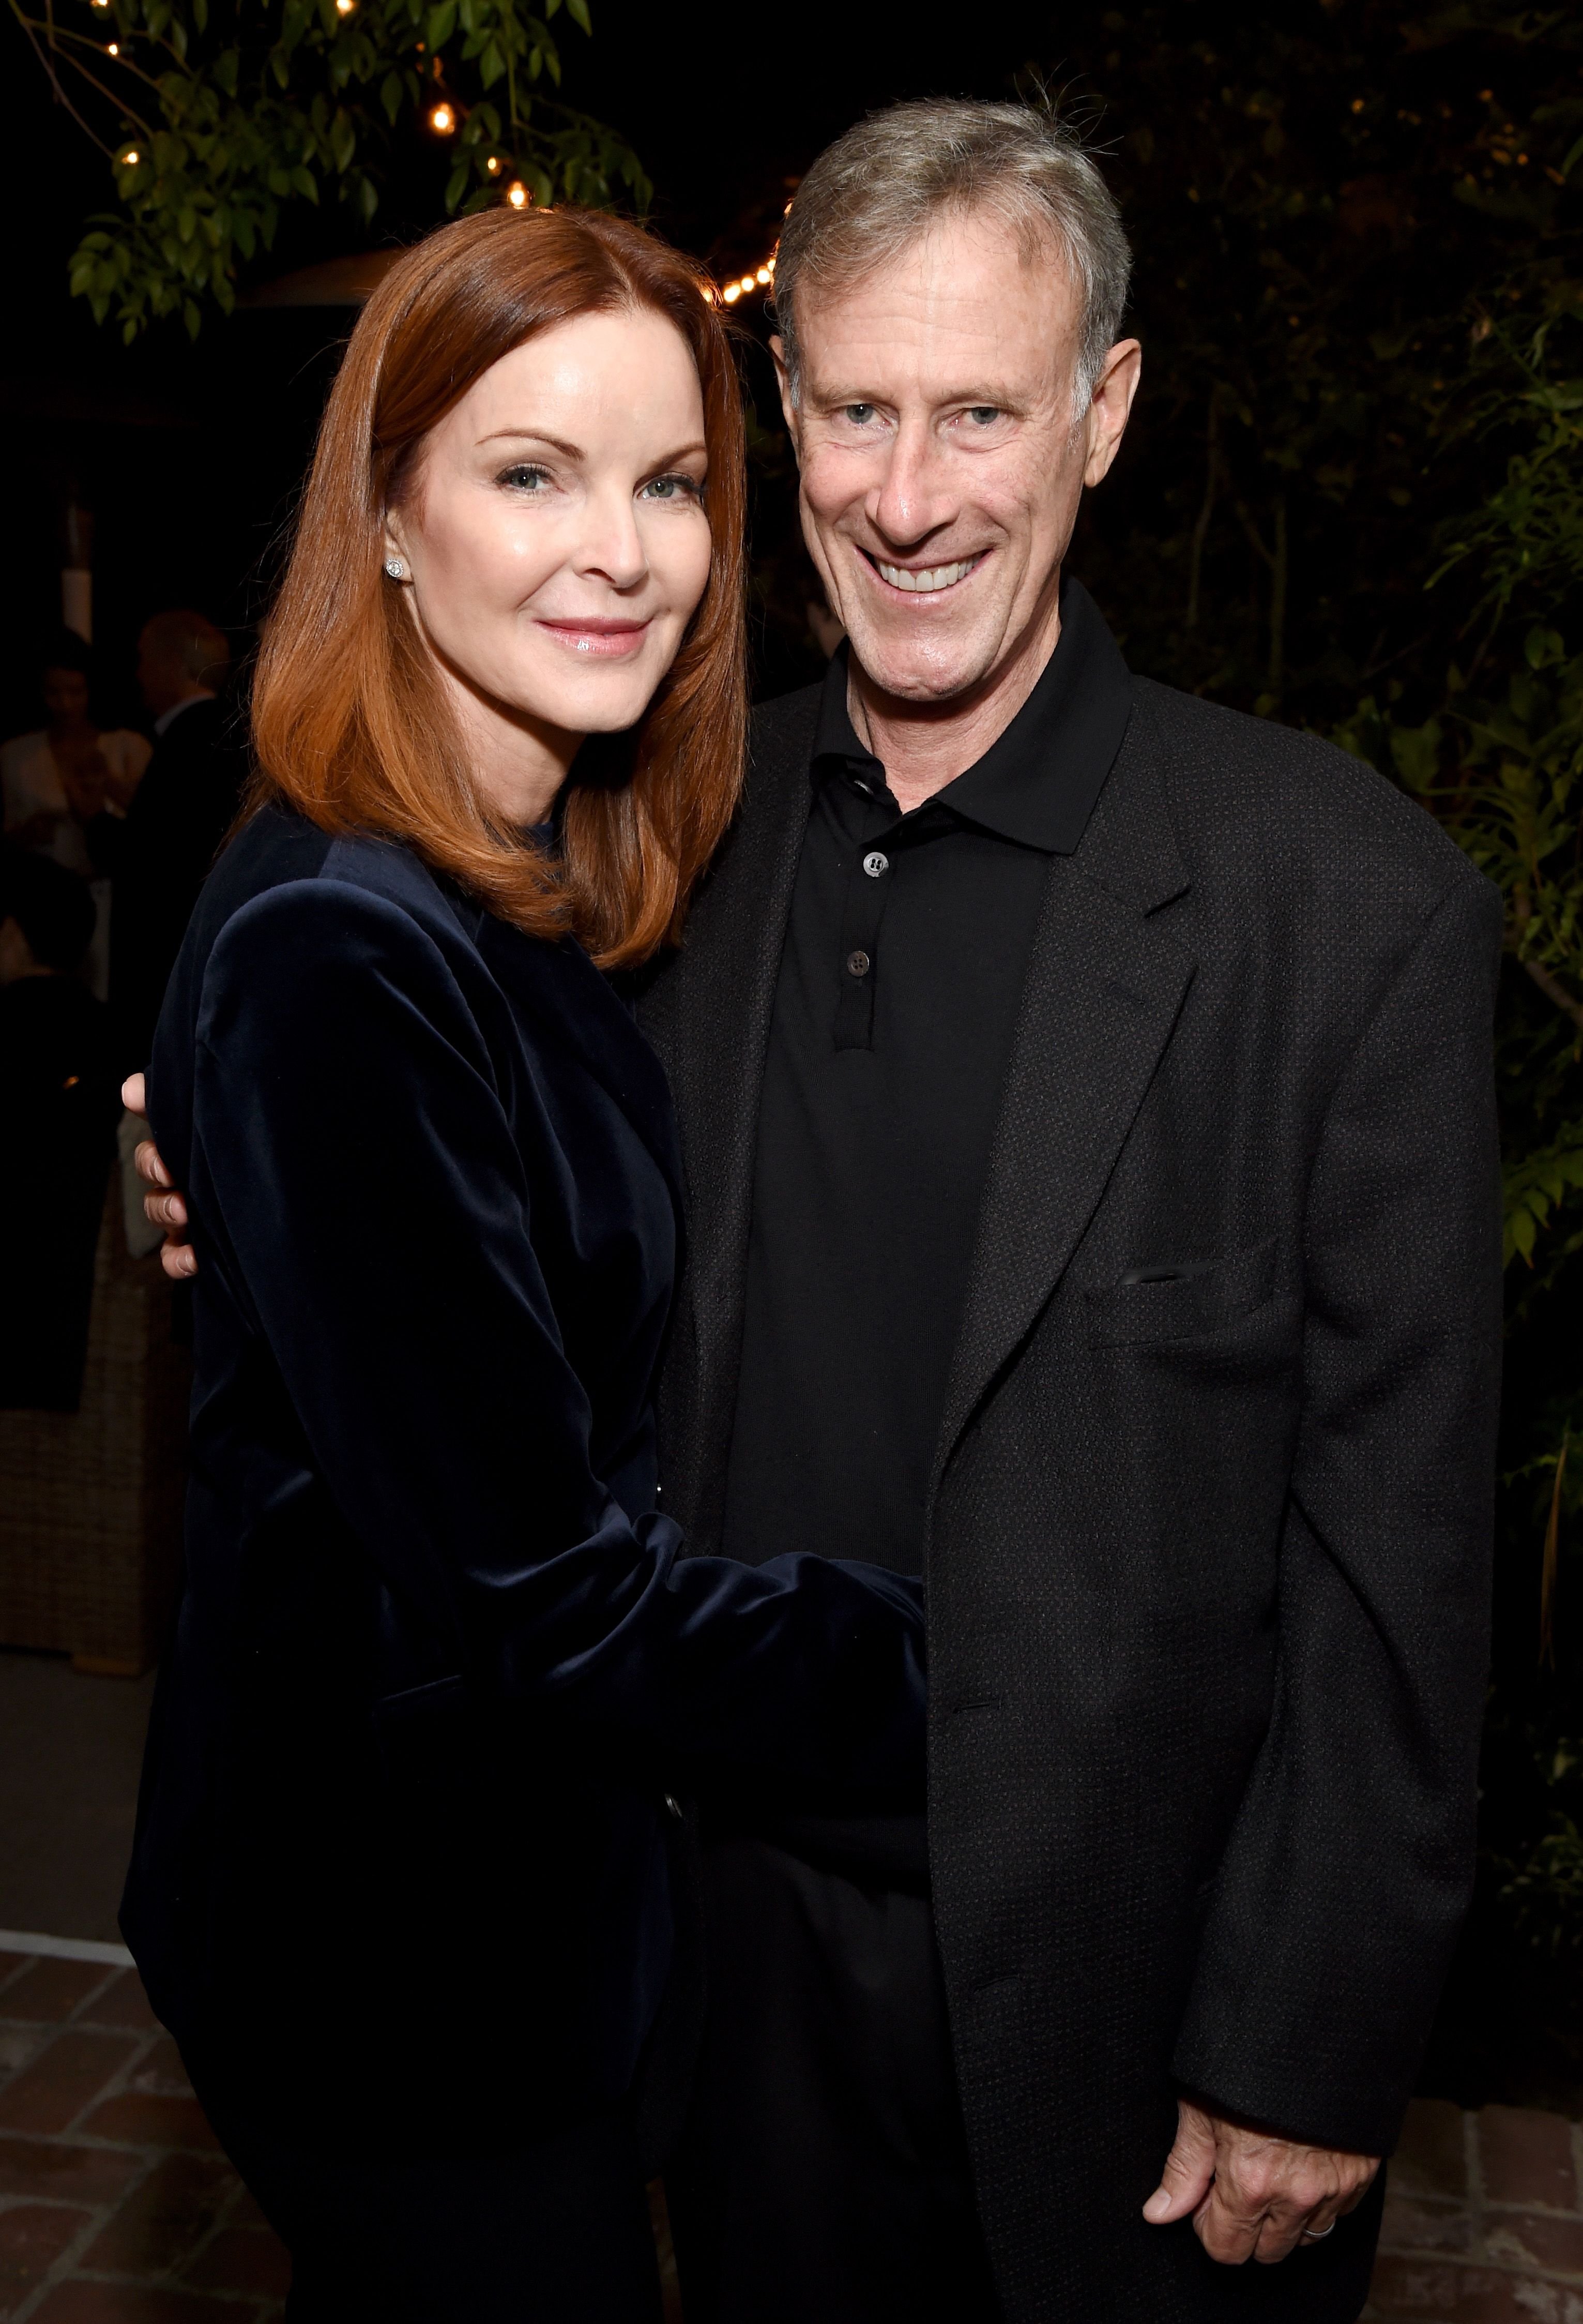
<point x="913" y="498"/>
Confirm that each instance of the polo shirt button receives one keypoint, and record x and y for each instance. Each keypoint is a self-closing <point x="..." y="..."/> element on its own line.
<point x="876" y="865"/>
<point x="858" y="964"/>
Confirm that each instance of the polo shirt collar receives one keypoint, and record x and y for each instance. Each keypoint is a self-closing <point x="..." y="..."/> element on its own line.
<point x="1038" y="782"/>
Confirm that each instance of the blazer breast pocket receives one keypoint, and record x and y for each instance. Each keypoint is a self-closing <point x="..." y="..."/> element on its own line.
<point x="1166" y="1300"/>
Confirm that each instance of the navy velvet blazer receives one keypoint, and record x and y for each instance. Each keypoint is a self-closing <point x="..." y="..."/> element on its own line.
<point x="401" y="1849"/>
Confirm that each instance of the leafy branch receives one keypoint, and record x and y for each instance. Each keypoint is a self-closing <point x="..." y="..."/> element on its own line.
<point x="224" y="115"/>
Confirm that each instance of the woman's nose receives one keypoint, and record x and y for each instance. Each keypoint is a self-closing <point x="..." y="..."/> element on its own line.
<point x="613" y="545"/>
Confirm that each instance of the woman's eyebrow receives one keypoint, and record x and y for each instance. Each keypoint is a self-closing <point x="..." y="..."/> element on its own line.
<point x="533" y="436"/>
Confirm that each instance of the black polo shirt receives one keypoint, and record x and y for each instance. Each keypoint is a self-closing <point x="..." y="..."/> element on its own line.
<point x="896" y="1001"/>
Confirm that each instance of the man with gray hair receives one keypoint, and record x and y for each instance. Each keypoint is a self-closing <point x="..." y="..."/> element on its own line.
<point x="1087" y="1106"/>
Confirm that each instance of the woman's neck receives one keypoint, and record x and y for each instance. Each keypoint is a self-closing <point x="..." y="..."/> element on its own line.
<point x="519" y="763"/>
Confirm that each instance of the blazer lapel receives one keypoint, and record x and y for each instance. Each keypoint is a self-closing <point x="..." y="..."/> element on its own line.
<point x="709" y="1018"/>
<point x="1106" y="982"/>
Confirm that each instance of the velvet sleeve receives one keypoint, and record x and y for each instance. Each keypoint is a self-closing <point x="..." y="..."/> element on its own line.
<point x="370" y="1207"/>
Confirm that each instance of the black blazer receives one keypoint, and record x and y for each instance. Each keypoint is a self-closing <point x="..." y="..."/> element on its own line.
<point x="158" y="856"/>
<point x="399" y="1865"/>
<point x="1207" y="1557"/>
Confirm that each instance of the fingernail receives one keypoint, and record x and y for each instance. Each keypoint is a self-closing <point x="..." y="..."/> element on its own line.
<point x="1158" y="2204"/>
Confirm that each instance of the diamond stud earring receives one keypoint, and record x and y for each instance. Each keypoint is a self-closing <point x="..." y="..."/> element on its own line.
<point x="395" y="568"/>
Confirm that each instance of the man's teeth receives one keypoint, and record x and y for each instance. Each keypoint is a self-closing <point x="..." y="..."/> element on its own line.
<point x="933" y="576"/>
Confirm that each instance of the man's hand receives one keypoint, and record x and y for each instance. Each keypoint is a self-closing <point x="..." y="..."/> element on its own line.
<point x="164" y="1208"/>
<point x="1250" y="2194"/>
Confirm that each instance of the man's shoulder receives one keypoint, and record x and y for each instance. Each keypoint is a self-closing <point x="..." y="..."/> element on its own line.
<point x="780" y="732"/>
<point x="1251" y="788"/>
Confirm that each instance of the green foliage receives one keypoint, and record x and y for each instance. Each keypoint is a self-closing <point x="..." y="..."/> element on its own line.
<point x="228" y="111"/>
<point x="1544" y="1892"/>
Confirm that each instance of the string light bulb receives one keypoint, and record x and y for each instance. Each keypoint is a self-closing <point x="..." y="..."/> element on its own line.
<point x="131" y="158"/>
<point x="493" y="165"/>
<point x="344" y="7"/>
<point x="113" y="49"/>
<point x="517" y="194"/>
<point x="761" y="279"/>
<point x="442" y="119"/>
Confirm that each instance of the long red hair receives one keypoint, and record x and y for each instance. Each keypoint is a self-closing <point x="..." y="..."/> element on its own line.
<point x="349" y="723"/>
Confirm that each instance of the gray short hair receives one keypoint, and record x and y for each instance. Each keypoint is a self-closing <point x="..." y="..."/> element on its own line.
<point x="874" y="192"/>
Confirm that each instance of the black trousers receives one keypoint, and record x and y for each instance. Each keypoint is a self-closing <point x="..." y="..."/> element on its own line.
<point x="823" y="2174"/>
<point x="554" y="2233"/>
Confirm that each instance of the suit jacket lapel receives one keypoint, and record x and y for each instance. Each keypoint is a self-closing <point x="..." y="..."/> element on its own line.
<point x="709" y="1017"/>
<point x="1106" y="982"/>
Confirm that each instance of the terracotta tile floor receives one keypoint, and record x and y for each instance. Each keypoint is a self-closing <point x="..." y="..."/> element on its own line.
<point x="117" y="2208"/>
<point x="115" y="2205"/>
<point x="1484" y="2221"/>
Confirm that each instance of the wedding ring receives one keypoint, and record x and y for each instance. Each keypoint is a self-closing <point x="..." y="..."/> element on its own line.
<point x="1317" y="2234"/>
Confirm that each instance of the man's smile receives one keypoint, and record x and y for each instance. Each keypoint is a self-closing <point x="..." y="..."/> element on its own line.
<point x="919" y="580"/>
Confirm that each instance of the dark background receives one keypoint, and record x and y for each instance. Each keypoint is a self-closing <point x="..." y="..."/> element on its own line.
<point x="189" y="455"/>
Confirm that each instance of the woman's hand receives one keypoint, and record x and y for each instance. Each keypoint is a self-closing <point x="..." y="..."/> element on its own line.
<point x="165" y="1208"/>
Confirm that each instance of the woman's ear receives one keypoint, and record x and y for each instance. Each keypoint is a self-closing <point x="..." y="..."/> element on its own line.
<point x="398" y="564"/>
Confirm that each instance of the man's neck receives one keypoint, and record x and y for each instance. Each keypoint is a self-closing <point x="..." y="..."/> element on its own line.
<point x="924" y="745"/>
<point x="173" y="710"/>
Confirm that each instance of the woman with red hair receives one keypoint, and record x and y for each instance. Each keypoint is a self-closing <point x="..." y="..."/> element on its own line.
<point x="400" y="1885"/>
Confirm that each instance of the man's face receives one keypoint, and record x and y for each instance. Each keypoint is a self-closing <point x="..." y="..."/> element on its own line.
<point x="941" y="463"/>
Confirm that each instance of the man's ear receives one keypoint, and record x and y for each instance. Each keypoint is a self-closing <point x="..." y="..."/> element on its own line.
<point x="783" y="381"/>
<point x="1110" y="407"/>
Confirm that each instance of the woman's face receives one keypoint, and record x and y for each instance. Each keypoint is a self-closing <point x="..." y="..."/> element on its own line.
<point x="65" y="697"/>
<point x="554" y="536"/>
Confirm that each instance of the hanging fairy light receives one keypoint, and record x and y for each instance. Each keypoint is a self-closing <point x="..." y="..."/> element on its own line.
<point x="517" y="194"/>
<point x="761" y="279"/>
<point x="493" y="165"/>
<point x="442" y="119"/>
<point x="131" y="158"/>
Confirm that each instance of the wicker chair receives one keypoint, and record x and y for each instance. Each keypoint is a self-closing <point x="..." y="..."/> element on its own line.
<point x="91" y="1500"/>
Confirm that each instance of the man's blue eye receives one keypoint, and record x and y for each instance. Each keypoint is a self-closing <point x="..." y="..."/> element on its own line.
<point x="984" y="415"/>
<point x="859" y="414"/>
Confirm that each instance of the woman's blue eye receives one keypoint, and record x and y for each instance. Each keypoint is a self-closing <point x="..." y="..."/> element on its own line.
<point x="524" y="477"/>
<point x="672" y="488"/>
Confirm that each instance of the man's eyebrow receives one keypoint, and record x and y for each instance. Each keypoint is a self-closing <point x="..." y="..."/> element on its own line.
<point x="1000" y="396"/>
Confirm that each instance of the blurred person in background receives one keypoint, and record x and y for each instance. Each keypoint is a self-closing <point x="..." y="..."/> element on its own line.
<point x="58" y="1069"/>
<point x="57" y="778"/>
<point x="158" y="854"/>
